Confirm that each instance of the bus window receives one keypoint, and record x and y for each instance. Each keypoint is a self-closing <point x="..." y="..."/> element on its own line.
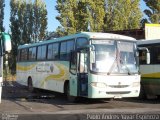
<point x="53" y="51"/>
<point x="41" y="55"/>
<point x="81" y="42"/>
<point x="70" y="47"/>
<point x="23" y="55"/>
<point x="63" y="51"/>
<point x="44" y="52"/>
<point x="32" y="53"/>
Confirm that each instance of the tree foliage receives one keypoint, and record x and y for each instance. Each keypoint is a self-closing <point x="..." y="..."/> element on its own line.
<point x="1" y="15"/>
<point x="39" y="20"/>
<point x="80" y="15"/>
<point x="28" y="23"/>
<point x="122" y="14"/>
<point x="154" y="10"/>
<point x="31" y="18"/>
<point x="98" y="15"/>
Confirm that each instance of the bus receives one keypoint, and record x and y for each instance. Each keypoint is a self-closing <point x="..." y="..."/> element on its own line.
<point x="85" y="64"/>
<point x="150" y="73"/>
<point x="5" y="47"/>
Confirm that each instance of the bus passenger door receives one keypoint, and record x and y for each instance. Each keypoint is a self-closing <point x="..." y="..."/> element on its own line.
<point x="73" y="74"/>
<point x="82" y="72"/>
<point x="78" y="73"/>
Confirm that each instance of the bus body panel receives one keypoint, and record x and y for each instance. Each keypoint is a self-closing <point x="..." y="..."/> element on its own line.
<point x="151" y="79"/>
<point x="117" y="86"/>
<point x="45" y="75"/>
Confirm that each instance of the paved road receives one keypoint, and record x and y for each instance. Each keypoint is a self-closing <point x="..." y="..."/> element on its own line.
<point x="18" y="103"/>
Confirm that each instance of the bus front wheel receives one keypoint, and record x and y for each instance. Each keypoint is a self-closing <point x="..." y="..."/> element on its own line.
<point x="142" y="94"/>
<point x="30" y="85"/>
<point x="67" y="92"/>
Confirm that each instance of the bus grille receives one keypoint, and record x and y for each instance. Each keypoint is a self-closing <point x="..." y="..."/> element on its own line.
<point x="118" y="86"/>
<point x="122" y="92"/>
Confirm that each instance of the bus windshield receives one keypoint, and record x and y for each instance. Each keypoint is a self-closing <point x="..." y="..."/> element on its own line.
<point x="115" y="57"/>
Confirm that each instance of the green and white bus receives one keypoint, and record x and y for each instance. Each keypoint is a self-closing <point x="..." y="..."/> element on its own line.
<point x="86" y="64"/>
<point x="150" y="72"/>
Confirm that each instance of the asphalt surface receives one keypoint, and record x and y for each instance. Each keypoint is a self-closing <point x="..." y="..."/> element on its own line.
<point x="19" y="104"/>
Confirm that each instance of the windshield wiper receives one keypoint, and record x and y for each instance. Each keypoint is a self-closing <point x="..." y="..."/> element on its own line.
<point x="119" y="62"/>
<point x="115" y="61"/>
<point x="122" y="63"/>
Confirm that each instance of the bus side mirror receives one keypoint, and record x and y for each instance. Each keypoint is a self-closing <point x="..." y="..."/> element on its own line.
<point x="6" y="42"/>
<point x="147" y="54"/>
<point x="148" y="58"/>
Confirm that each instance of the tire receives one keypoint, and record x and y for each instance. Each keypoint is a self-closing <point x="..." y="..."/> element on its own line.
<point x="30" y="85"/>
<point x="67" y="93"/>
<point x="158" y="97"/>
<point x="142" y="94"/>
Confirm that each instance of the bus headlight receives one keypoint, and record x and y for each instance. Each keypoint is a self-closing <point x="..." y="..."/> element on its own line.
<point x="98" y="84"/>
<point x="136" y="84"/>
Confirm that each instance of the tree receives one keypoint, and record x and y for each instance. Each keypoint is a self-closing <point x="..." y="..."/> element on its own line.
<point x="1" y="15"/>
<point x="66" y="9"/>
<point x="80" y="15"/>
<point x="27" y="19"/>
<point x="96" y="15"/>
<point x="40" y="20"/>
<point x="154" y="10"/>
<point x="15" y="36"/>
<point x="122" y="14"/>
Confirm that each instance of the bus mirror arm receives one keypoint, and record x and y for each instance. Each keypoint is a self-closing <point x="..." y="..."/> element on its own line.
<point x="148" y="53"/>
<point x="91" y="46"/>
<point x="143" y="48"/>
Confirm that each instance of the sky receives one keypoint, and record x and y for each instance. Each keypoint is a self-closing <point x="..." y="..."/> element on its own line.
<point x="52" y="13"/>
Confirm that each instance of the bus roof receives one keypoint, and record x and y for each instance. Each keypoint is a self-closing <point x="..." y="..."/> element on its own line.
<point x="153" y="41"/>
<point x="92" y="35"/>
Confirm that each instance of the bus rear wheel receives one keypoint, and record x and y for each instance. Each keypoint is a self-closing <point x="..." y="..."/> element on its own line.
<point x="30" y="85"/>
<point x="67" y="93"/>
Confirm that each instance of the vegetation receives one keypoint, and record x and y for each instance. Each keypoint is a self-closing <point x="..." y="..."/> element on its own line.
<point x="28" y="24"/>
<point x="1" y="15"/>
<point x="80" y="15"/>
<point x="153" y="12"/>
<point x="122" y="15"/>
<point x="28" y="18"/>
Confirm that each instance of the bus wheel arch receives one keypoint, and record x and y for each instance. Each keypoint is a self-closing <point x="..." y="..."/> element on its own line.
<point x="66" y="83"/>
<point x="30" y="84"/>
<point x="67" y="92"/>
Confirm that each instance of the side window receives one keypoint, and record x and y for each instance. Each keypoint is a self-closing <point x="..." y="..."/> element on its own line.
<point x="63" y="51"/>
<point x="53" y="51"/>
<point x="24" y="54"/>
<point x="41" y="54"/>
<point x="142" y="57"/>
<point x="70" y="47"/>
<point x="56" y="51"/>
<point x="81" y="42"/>
<point x="157" y="54"/>
<point x="43" y="57"/>
<point x="49" y="54"/>
<point x="32" y="53"/>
